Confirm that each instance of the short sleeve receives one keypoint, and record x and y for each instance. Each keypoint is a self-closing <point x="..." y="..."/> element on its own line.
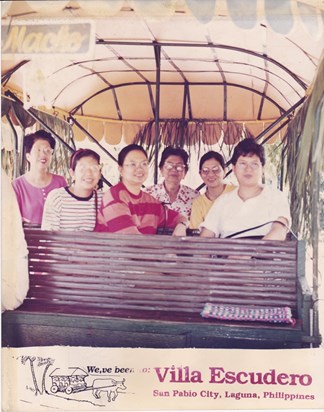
<point x="280" y="205"/>
<point x="197" y="215"/>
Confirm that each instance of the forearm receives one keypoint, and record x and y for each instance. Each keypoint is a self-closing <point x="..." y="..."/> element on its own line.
<point x="174" y="219"/>
<point x="278" y="230"/>
<point x="180" y="229"/>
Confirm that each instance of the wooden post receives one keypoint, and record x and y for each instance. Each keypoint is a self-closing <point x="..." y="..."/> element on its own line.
<point x="157" y="52"/>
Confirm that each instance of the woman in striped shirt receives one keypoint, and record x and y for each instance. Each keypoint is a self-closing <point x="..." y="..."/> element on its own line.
<point x="125" y="208"/>
<point x="75" y="207"/>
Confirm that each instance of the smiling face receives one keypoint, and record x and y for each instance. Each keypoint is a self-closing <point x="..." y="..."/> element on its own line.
<point x="85" y="176"/>
<point x="173" y="169"/>
<point x="40" y="155"/>
<point x="134" y="170"/>
<point x="248" y="170"/>
<point x="212" y="173"/>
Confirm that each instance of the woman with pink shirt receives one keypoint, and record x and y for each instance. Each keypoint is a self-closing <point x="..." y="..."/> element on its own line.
<point x="33" y="187"/>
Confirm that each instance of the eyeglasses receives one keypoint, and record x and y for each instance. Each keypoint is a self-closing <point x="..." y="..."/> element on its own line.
<point x="45" y="150"/>
<point x="253" y="165"/>
<point x="215" y="170"/>
<point x="134" y="165"/>
<point x="178" y="167"/>
<point x="83" y="168"/>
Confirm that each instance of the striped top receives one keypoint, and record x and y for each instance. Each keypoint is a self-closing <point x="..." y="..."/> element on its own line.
<point x="123" y="212"/>
<point x="64" y="210"/>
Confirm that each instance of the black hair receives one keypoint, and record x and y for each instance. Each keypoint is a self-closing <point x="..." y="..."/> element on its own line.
<point x="127" y="149"/>
<point x="212" y="155"/>
<point x="79" y="154"/>
<point x="248" y="147"/>
<point x="174" y="151"/>
<point x="31" y="138"/>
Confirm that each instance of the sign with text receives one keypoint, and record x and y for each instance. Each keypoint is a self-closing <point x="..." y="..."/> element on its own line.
<point x="62" y="38"/>
<point x="93" y="379"/>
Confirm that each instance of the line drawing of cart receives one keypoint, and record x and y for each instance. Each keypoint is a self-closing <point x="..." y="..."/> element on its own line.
<point x="68" y="380"/>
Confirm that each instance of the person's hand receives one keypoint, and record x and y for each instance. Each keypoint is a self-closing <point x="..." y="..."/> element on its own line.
<point x="180" y="230"/>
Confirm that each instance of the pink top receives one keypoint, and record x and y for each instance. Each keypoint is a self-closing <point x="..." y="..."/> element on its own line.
<point x="31" y="199"/>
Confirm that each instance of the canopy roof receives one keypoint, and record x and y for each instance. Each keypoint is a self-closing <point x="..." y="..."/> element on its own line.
<point x="215" y="63"/>
<point x="220" y="60"/>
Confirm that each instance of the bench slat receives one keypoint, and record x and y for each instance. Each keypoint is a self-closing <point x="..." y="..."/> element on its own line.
<point x="164" y="281"/>
<point x="112" y="278"/>
<point x="137" y="271"/>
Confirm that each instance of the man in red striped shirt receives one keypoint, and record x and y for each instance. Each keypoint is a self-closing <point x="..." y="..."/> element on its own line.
<point x="125" y="208"/>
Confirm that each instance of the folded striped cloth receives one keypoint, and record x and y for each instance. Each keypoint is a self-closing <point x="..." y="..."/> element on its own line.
<point x="248" y="313"/>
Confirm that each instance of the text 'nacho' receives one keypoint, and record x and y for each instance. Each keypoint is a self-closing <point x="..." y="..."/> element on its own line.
<point x="61" y="38"/>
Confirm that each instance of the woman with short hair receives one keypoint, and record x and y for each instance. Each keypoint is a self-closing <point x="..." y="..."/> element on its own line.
<point x="173" y="167"/>
<point x="252" y="209"/>
<point x="33" y="187"/>
<point x="75" y="207"/>
<point x="212" y="172"/>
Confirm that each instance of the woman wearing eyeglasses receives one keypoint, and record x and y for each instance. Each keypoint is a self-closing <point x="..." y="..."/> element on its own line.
<point x="75" y="207"/>
<point x="33" y="187"/>
<point x="174" y="166"/>
<point x="212" y="172"/>
<point x="252" y="209"/>
<point x="125" y="208"/>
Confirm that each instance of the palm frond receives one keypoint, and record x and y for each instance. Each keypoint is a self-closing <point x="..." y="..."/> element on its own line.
<point x="305" y="150"/>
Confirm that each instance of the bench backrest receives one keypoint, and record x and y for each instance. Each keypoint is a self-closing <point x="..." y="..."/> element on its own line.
<point x="84" y="272"/>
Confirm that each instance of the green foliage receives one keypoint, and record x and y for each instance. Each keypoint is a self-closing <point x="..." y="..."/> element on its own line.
<point x="304" y="148"/>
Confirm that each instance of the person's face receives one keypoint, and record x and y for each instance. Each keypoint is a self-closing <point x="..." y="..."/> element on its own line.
<point x="86" y="174"/>
<point x="173" y="169"/>
<point x="40" y="155"/>
<point x="212" y="173"/>
<point x="248" y="170"/>
<point x="134" y="170"/>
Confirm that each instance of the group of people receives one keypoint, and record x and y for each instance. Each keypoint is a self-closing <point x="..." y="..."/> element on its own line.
<point x="248" y="209"/>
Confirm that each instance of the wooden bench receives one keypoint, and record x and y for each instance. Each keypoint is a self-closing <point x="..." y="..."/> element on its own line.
<point x="108" y="290"/>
